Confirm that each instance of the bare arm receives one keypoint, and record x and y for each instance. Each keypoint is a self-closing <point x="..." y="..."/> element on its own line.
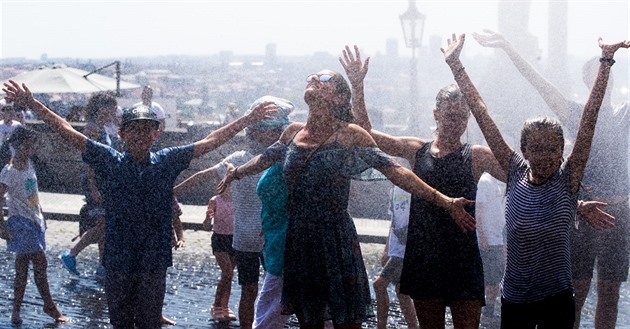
<point x="404" y="147"/>
<point x="256" y="164"/>
<point x="579" y="155"/>
<point x="93" y="188"/>
<point x="225" y="133"/>
<point x="550" y="94"/>
<point x="208" y="222"/>
<point x="501" y="150"/>
<point x="484" y="161"/>
<point x="205" y="176"/>
<point x="178" y="229"/>
<point x="252" y="167"/>
<point x="23" y="96"/>
<point x="356" y="70"/>
<point x="408" y="181"/>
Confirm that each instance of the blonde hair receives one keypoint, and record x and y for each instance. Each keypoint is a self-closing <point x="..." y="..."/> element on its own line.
<point x="448" y="94"/>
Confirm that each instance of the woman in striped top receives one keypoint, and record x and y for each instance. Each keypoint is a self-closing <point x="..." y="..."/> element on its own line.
<point x="541" y="201"/>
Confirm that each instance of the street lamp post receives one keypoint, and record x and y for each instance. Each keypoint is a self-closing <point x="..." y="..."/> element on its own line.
<point x="117" y="63"/>
<point x="412" y="22"/>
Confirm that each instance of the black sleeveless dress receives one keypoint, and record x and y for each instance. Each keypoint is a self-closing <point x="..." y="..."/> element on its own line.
<point x="442" y="262"/>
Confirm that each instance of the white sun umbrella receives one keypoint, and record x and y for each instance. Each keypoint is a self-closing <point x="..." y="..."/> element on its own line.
<point x="60" y="78"/>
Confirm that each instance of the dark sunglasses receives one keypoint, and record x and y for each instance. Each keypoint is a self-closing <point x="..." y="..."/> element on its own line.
<point x="320" y="77"/>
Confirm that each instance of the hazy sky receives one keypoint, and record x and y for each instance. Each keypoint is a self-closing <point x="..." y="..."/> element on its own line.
<point x="127" y="28"/>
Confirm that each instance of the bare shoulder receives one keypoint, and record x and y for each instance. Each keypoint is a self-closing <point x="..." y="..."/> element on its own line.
<point x="290" y="131"/>
<point x="353" y="135"/>
<point x="355" y="129"/>
<point x="485" y="161"/>
<point x="483" y="156"/>
<point x="411" y="142"/>
<point x="481" y="151"/>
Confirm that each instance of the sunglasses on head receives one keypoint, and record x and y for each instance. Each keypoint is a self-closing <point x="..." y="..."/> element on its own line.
<point x="320" y="77"/>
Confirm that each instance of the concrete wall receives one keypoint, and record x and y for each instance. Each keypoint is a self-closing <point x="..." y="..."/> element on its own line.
<point x="59" y="169"/>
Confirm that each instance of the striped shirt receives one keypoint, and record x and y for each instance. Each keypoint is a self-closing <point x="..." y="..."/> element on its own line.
<point x="538" y="222"/>
<point x="247" y="206"/>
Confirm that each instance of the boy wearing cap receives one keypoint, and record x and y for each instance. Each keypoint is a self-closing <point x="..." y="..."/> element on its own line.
<point x="247" y="240"/>
<point x="138" y="201"/>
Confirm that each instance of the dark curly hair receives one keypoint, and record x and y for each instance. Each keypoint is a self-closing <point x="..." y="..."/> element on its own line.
<point x="98" y="101"/>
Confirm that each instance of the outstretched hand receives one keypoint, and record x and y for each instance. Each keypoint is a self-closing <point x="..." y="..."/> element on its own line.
<point x="18" y="94"/>
<point x="227" y="179"/>
<point x="356" y="70"/>
<point x="491" y="39"/>
<point x="462" y="218"/>
<point x="592" y="213"/>
<point x="264" y="111"/>
<point x="609" y="49"/>
<point x="454" y="48"/>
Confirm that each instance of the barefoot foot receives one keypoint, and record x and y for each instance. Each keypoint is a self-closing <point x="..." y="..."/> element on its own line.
<point x="54" y="313"/>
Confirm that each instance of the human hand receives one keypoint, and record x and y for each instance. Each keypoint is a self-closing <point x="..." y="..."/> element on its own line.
<point x="179" y="244"/>
<point x="227" y="179"/>
<point x="491" y="39"/>
<point x="592" y="213"/>
<point x="454" y="48"/>
<point x="462" y="218"/>
<point x="207" y="223"/>
<point x="263" y="111"/>
<point x="356" y="70"/>
<point x="609" y="49"/>
<point x="19" y="94"/>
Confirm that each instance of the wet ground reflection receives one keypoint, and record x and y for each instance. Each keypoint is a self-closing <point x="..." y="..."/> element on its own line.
<point x="190" y="290"/>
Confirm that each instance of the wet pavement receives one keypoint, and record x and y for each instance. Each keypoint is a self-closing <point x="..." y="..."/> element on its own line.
<point x="191" y="284"/>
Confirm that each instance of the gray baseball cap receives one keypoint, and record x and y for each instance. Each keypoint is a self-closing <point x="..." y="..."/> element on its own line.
<point x="138" y="112"/>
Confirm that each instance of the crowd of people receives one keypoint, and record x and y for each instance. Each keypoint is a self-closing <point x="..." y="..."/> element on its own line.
<point x="282" y="203"/>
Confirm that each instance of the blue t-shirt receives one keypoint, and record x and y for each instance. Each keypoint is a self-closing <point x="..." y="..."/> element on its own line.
<point x="138" y="203"/>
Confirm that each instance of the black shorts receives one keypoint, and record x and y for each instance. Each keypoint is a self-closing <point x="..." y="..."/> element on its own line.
<point x="222" y="243"/>
<point x="553" y="312"/>
<point x="248" y="267"/>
